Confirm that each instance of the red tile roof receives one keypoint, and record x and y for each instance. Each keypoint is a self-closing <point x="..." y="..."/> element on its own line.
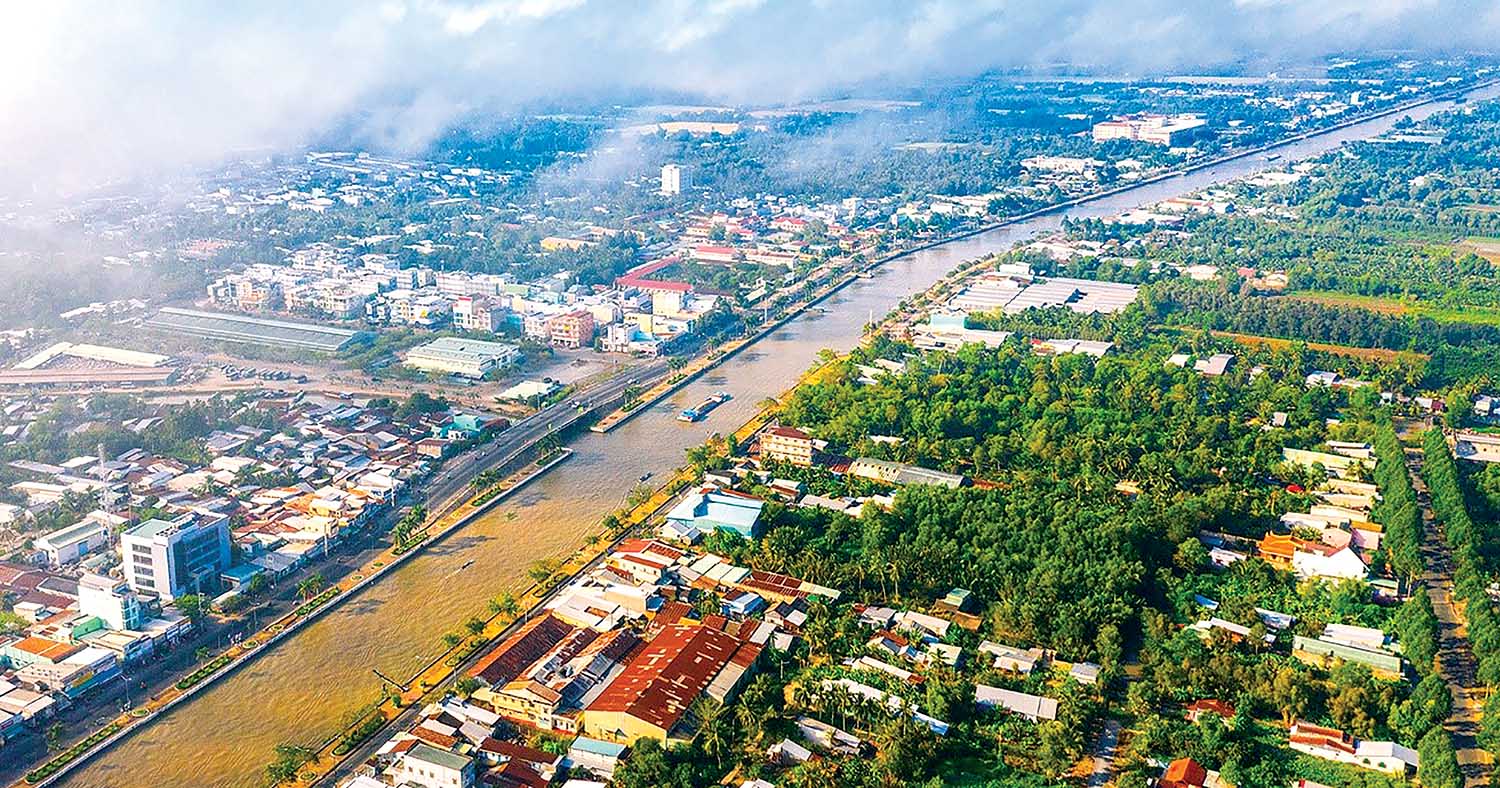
<point x="439" y="740"/>
<point x="1210" y="706"/>
<point x="50" y="650"/>
<point x="666" y="676"/>
<point x="1319" y="736"/>
<point x="519" y="752"/>
<point x="526" y="646"/>
<point x="1184" y="773"/>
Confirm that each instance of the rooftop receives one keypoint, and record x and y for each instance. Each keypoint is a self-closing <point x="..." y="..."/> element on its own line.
<point x="432" y="755"/>
<point x="660" y="683"/>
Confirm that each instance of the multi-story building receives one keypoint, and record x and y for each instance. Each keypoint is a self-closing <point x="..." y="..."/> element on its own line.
<point x="572" y="329"/>
<point x="112" y="601"/>
<point x="478" y="313"/>
<point x="418" y="309"/>
<point x="787" y="444"/>
<point x="430" y="767"/>
<point x="169" y="558"/>
<point x="674" y="179"/>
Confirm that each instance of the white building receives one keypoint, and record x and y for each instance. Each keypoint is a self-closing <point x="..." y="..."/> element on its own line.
<point x="85" y="537"/>
<point x="674" y="179"/>
<point x="169" y="558"/>
<point x="468" y="357"/>
<point x="1329" y="563"/>
<point x="112" y="601"/>
<point x="429" y="767"/>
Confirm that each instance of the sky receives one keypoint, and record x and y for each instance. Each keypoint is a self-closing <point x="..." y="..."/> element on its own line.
<point x="99" y="91"/>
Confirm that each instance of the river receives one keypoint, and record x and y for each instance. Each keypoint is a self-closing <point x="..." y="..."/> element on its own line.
<point x="299" y="691"/>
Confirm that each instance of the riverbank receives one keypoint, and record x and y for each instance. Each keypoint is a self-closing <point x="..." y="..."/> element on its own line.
<point x="241" y="654"/>
<point x="434" y="680"/>
<point x="698" y="366"/>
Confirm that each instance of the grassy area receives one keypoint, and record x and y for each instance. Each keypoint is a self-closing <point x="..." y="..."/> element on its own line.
<point x="1398" y="306"/>
<point x="1274" y="343"/>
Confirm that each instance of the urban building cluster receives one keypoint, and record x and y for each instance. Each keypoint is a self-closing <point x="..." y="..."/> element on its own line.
<point x="98" y="596"/>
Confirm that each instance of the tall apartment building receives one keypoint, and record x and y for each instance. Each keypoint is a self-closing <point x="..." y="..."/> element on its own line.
<point x="674" y="179"/>
<point x="169" y="558"/>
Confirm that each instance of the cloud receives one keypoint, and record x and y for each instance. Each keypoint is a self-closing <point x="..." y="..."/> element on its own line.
<point x="96" y="91"/>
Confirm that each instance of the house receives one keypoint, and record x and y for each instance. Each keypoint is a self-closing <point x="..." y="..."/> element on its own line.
<point x="929" y="627"/>
<point x="1033" y="707"/>
<point x="1183" y="773"/>
<point x="887" y="472"/>
<point x="74" y="542"/>
<point x="1335" y="745"/>
<point x="787" y="444"/>
<point x="1476" y="446"/>
<point x="1215" y="365"/>
<point x="1349" y="644"/>
<point x="788" y="753"/>
<point x="710" y="509"/>
<point x="1329" y="562"/>
<point x="600" y="758"/>
<point x="429" y="767"/>
<point x="827" y="737"/>
<point x="1010" y="658"/>
<point x="1084" y="672"/>
<point x="1198" y="709"/>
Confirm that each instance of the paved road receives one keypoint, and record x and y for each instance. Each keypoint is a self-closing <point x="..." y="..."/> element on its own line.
<point x="457" y="474"/>
<point x="1104" y="754"/>
<point x="1456" y="663"/>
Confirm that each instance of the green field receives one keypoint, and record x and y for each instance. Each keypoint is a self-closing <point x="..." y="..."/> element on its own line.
<point x="1398" y="306"/>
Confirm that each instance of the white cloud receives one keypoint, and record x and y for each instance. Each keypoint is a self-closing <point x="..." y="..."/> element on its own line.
<point x="90" y="89"/>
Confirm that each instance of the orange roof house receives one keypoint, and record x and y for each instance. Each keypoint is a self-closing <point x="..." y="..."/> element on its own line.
<point x="1184" y="773"/>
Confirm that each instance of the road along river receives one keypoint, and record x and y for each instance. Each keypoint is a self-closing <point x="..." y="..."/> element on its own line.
<point x="300" y="691"/>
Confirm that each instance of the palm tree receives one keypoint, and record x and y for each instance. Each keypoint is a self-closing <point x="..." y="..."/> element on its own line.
<point x="505" y="605"/>
<point x="713" y="730"/>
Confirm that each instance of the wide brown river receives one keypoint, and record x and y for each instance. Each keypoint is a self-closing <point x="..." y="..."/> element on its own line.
<point x="299" y="691"/>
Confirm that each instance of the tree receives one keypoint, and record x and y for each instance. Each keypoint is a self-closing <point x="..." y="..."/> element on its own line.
<point x="541" y="570"/>
<point x="289" y="759"/>
<point x="452" y="639"/>
<point x="504" y="605"/>
<point x="311" y="586"/>
<point x="193" y="606"/>
<point x="257" y="586"/>
<point x="54" y="736"/>
<point x="1289" y="694"/>
<point x="475" y="625"/>
<point x="715" y="730"/>
<point x="467" y="685"/>
<point x="1438" y="763"/>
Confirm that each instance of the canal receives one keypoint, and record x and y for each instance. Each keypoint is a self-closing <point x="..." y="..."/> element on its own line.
<point x="300" y="691"/>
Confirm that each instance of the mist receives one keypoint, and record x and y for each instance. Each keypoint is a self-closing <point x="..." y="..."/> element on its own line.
<point x="96" y="93"/>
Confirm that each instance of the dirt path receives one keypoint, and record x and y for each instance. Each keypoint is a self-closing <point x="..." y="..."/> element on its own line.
<point x="1456" y="663"/>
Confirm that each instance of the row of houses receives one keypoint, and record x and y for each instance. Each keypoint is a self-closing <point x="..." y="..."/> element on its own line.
<point x="622" y="652"/>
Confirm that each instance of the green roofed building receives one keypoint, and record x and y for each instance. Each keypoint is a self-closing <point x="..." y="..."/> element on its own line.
<point x="1314" y="650"/>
